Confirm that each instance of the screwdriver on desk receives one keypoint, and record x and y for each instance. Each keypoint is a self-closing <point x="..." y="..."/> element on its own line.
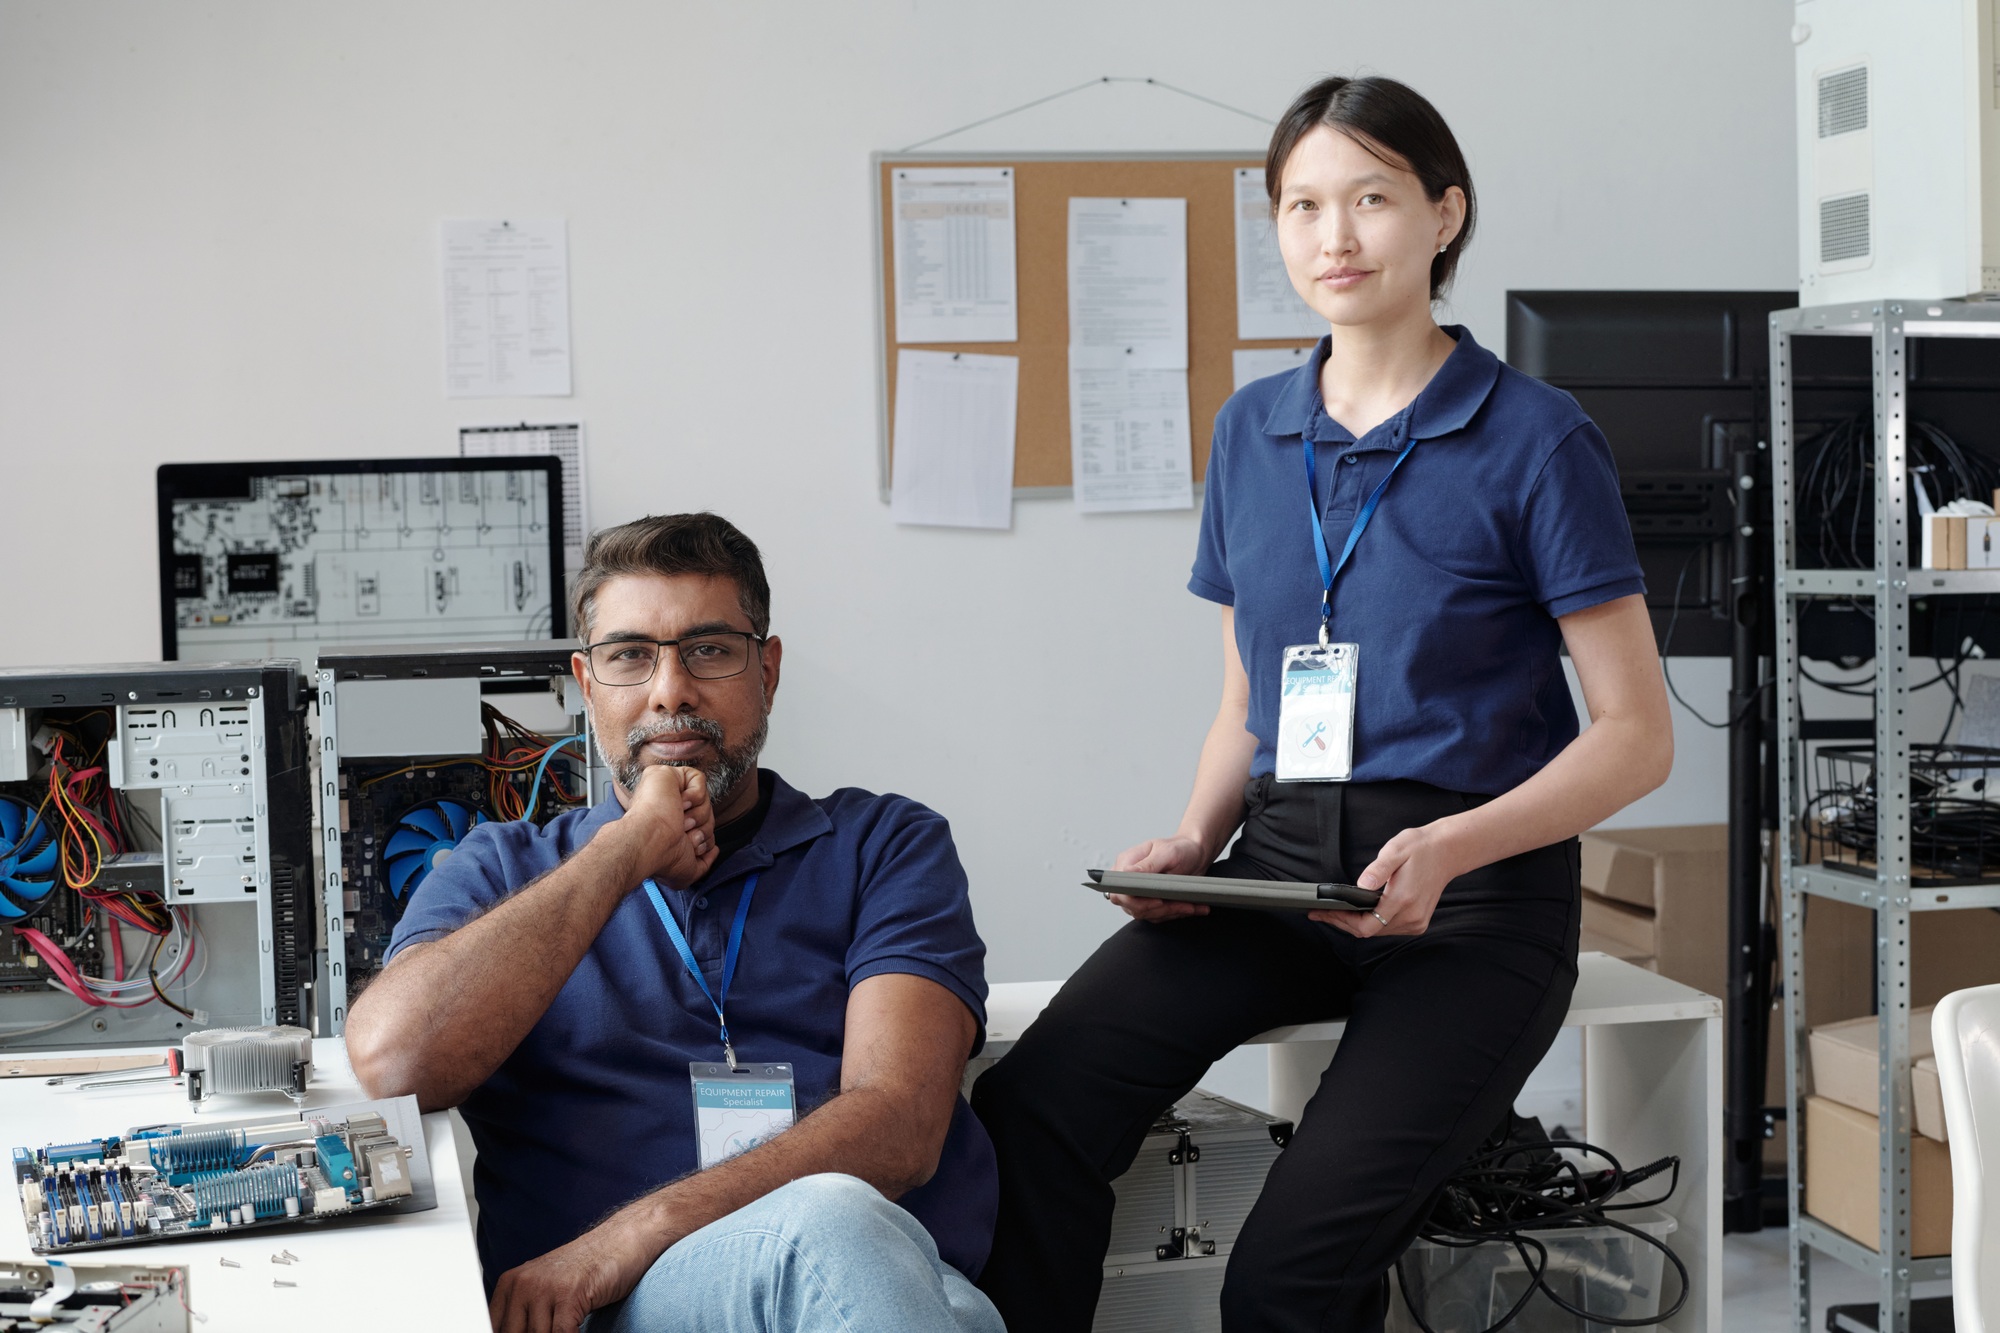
<point x="170" y="1070"/>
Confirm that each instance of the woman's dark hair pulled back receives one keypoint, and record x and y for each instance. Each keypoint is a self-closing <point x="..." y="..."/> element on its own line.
<point x="1385" y="117"/>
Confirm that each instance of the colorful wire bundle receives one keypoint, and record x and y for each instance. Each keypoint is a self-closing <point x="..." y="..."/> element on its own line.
<point x="516" y="764"/>
<point x="91" y="827"/>
<point x="112" y="992"/>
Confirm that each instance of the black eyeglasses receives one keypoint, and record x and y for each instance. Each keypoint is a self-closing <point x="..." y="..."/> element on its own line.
<point x="713" y="656"/>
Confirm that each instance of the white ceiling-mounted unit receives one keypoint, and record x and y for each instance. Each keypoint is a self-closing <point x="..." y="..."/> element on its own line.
<point x="1899" y="149"/>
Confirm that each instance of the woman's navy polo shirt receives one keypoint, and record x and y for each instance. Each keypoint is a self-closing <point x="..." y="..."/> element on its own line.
<point x="1505" y="517"/>
<point x="593" y="1108"/>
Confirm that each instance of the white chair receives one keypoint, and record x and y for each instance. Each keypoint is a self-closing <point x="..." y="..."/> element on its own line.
<point x="1965" y="1031"/>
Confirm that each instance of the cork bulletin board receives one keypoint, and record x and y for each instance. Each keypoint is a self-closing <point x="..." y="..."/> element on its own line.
<point x="1043" y="187"/>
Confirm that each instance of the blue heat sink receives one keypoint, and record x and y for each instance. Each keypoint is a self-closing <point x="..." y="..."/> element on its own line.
<point x="424" y="837"/>
<point x="264" y="1188"/>
<point x="28" y="855"/>
<point x="179" y="1157"/>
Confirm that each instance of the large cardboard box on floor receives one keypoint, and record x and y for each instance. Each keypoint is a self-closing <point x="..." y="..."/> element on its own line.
<point x="1842" y="1162"/>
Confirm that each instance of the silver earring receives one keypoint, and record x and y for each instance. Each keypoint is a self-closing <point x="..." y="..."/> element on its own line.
<point x="1443" y="248"/>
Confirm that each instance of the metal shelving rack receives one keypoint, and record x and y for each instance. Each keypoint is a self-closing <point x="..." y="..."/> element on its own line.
<point x="1888" y="891"/>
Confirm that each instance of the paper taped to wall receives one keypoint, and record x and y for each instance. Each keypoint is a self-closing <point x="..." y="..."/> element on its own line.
<point x="565" y="442"/>
<point x="506" y="308"/>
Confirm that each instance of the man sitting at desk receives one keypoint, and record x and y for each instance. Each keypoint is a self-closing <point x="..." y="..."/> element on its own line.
<point x="632" y="1144"/>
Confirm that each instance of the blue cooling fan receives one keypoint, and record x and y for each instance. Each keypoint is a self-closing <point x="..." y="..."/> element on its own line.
<point x="28" y="855"/>
<point x="424" y="837"/>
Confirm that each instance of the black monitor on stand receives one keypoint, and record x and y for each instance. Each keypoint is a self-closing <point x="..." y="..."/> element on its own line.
<point x="1679" y="383"/>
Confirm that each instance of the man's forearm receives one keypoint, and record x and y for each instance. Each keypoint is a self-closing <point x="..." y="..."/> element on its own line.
<point x="440" y="1019"/>
<point x="863" y="1132"/>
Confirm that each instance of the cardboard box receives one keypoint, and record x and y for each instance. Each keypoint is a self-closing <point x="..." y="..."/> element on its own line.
<point x="1927" y="1095"/>
<point x="1625" y="932"/>
<point x="1844" y="1058"/>
<point x="1590" y="941"/>
<point x="1842" y="1161"/>
<point x="1949" y="951"/>
<point x="1662" y="893"/>
<point x="1944" y="542"/>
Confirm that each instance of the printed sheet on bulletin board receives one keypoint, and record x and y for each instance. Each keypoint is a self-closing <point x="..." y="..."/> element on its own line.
<point x="1224" y="212"/>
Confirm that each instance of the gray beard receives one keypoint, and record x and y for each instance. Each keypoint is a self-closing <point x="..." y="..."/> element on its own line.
<point x="731" y="765"/>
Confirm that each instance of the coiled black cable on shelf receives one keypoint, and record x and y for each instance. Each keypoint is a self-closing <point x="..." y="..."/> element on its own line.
<point x="1835" y="500"/>
<point x="1522" y="1187"/>
<point x="1954" y="821"/>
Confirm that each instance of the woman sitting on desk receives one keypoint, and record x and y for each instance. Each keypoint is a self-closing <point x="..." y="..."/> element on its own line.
<point x="1394" y="714"/>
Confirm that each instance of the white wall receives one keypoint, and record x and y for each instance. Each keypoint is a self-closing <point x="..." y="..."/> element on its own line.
<point x="218" y="235"/>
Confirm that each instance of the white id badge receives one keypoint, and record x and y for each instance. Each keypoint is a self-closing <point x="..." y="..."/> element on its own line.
<point x="735" y="1110"/>
<point x="1316" y="713"/>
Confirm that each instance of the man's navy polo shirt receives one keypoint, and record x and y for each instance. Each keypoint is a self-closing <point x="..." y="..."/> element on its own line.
<point x="1505" y="516"/>
<point x="593" y="1108"/>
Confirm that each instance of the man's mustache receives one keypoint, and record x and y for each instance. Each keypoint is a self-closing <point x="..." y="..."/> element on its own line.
<point x="679" y="724"/>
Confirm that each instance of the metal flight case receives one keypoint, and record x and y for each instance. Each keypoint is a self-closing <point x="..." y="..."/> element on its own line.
<point x="1179" y="1210"/>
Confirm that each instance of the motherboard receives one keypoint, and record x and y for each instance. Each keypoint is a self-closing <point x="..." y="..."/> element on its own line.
<point x="427" y="808"/>
<point x="183" y="1181"/>
<point x="402" y="818"/>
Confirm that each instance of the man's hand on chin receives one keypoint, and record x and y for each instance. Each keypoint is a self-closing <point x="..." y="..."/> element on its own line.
<point x="552" y="1294"/>
<point x="669" y="816"/>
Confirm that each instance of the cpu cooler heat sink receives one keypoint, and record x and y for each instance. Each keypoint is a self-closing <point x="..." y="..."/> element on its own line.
<point x="425" y="835"/>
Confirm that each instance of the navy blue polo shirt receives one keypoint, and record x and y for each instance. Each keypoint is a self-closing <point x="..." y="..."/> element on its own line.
<point x="593" y="1108"/>
<point x="1505" y="517"/>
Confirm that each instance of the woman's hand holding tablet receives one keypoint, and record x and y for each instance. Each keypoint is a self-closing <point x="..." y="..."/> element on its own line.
<point x="1410" y="871"/>
<point x="1160" y="856"/>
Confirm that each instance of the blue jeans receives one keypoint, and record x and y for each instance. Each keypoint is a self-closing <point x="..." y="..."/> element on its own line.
<point x="823" y="1253"/>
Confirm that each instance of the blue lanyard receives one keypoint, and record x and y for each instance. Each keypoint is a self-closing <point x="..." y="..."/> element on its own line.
<point x="1329" y="569"/>
<point x="728" y="958"/>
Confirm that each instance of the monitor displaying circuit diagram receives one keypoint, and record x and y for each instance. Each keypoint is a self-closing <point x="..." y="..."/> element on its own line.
<point x="278" y="559"/>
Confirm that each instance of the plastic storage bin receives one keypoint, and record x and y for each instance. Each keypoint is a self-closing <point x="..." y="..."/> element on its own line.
<point x="1600" y="1269"/>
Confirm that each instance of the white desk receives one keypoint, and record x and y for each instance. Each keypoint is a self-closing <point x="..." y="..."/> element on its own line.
<point x="1652" y="1085"/>
<point x="1652" y="1061"/>
<point x="401" y="1270"/>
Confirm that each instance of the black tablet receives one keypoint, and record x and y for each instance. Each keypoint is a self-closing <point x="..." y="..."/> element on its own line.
<point x="1270" y="894"/>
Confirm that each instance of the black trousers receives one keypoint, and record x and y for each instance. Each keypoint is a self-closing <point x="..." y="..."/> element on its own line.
<point x="1443" y="1030"/>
